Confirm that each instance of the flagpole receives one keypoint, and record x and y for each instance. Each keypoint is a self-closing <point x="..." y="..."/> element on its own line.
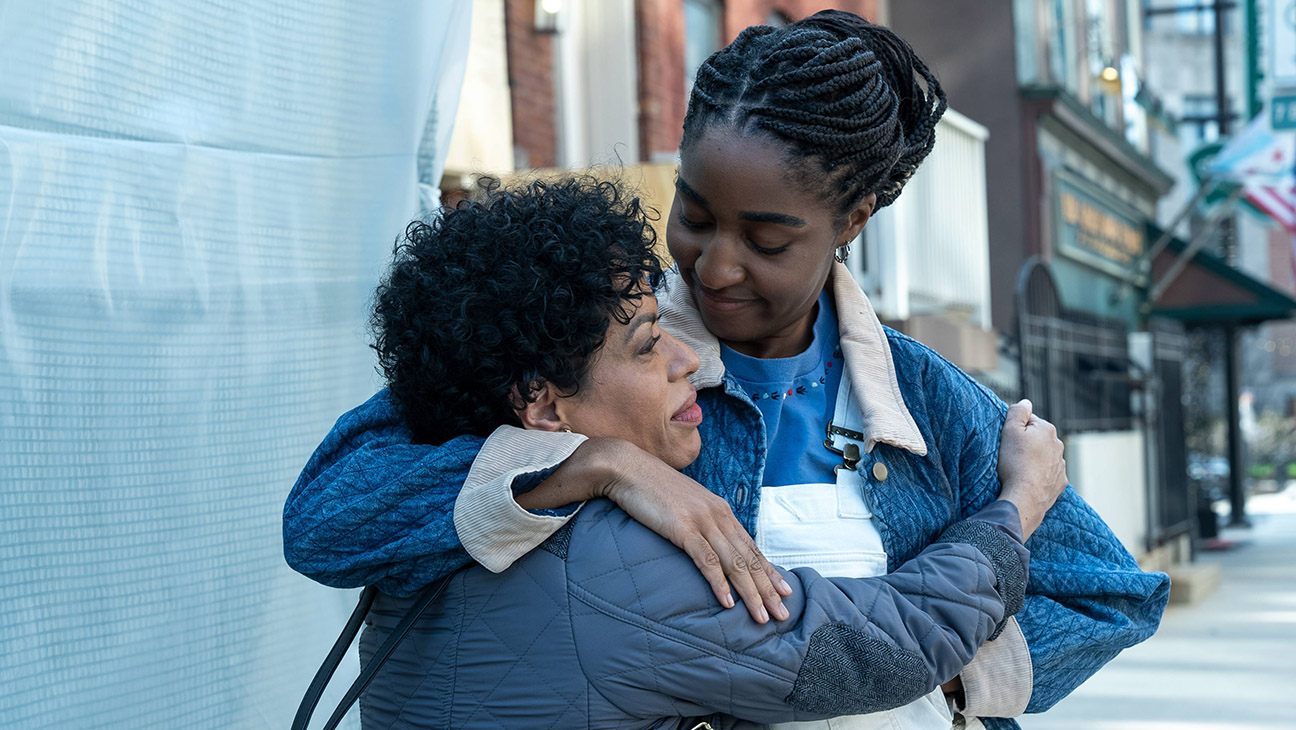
<point x="1196" y="244"/>
<point x="1143" y="265"/>
<point x="1232" y="366"/>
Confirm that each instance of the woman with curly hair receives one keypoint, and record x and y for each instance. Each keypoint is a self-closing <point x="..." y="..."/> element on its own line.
<point x="838" y="443"/>
<point x="533" y="309"/>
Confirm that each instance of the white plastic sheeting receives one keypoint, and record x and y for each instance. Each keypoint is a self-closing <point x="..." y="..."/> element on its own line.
<point x="196" y="200"/>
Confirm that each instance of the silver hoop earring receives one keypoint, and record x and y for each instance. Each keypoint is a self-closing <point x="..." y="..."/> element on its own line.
<point x="841" y="253"/>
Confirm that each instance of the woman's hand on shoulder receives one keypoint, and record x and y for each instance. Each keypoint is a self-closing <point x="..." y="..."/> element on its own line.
<point x="1032" y="469"/>
<point x="697" y="521"/>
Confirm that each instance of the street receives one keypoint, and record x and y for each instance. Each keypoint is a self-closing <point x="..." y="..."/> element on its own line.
<point x="1227" y="663"/>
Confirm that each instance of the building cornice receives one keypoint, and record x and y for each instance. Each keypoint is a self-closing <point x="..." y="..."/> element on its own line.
<point x="1059" y="104"/>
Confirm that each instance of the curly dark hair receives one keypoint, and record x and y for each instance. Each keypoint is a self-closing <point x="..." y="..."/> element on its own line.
<point x="498" y="296"/>
<point x="839" y="90"/>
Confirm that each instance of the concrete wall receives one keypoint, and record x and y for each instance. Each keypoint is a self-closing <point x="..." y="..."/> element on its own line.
<point x="1107" y="469"/>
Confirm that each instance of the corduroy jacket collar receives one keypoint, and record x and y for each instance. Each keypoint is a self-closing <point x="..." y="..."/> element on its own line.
<point x="864" y="348"/>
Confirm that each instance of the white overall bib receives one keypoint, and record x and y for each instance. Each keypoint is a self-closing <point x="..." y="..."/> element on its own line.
<point x="830" y="528"/>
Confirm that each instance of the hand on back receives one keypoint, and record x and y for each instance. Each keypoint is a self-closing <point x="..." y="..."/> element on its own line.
<point x="679" y="509"/>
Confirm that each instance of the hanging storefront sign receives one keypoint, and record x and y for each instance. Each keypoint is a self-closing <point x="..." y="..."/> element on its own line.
<point x="1283" y="112"/>
<point x="1095" y="227"/>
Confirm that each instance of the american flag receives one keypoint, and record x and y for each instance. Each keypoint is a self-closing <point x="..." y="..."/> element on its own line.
<point x="1268" y="173"/>
<point x="1279" y="203"/>
<point x="1276" y="201"/>
<point x="1263" y="161"/>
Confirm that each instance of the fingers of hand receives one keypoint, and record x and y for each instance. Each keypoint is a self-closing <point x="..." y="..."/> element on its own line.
<point x="707" y="561"/>
<point x="1048" y="427"/>
<point x="706" y="529"/>
<point x="768" y="586"/>
<point x="746" y="569"/>
<point x="736" y="568"/>
<point x="1019" y="414"/>
<point x="777" y="579"/>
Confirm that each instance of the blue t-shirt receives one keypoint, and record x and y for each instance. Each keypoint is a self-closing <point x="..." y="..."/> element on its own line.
<point x="797" y="396"/>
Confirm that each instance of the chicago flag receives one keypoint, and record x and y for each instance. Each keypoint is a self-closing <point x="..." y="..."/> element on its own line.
<point x="1264" y="163"/>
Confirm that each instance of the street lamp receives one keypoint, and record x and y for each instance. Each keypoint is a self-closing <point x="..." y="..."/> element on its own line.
<point x="547" y="15"/>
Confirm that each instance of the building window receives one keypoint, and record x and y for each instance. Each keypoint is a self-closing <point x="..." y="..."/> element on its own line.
<point x="1199" y="20"/>
<point x="701" y="36"/>
<point x="1199" y="120"/>
<point x="1184" y="18"/>
<point x="1061" y="44"/>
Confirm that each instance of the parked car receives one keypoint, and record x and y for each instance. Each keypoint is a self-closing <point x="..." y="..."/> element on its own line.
<point x="1210" y="472"/>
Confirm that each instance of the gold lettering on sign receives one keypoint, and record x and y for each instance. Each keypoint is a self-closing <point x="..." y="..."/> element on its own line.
<point x="1100" y="233"/>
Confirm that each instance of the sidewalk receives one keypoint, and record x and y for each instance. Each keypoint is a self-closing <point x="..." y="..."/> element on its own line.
<point x="1227" y="663"/>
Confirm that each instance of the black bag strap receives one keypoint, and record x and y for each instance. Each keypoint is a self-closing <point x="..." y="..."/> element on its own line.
<point x="425" y="599"/>
<point x="334" y="658"/>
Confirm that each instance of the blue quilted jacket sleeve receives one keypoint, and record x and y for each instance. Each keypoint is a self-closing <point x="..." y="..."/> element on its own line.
<point x="373" y="508"/>
<point x="1087" y="598"/>
<point x="850" y="646"/>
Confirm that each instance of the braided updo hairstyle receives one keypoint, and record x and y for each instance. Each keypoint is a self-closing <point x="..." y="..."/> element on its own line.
<point x="837" y="89"/>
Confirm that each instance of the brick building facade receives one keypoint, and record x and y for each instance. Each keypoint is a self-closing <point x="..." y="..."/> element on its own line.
<point x="663" y="72"/>
<point x="531" y="86"/>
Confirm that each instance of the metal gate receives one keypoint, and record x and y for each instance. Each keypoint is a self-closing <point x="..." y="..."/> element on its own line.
<point x="1075" y="367"/>
<point x="1172" y="501"/>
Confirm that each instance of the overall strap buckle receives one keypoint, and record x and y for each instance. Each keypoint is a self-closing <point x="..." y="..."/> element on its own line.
<point x="850" y="453"/>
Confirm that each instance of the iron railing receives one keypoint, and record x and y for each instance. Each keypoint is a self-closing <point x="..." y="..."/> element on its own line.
<point x="1075" y="367"/>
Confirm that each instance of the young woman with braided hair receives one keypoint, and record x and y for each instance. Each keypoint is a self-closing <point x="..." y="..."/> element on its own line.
<point x="794" y="137"/>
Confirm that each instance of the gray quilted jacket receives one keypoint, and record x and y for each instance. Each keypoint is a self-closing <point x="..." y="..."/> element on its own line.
<point x="610" y="626"/>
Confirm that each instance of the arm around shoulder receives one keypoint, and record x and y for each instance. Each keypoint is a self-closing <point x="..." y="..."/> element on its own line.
<point x="373" y="508"/>
<point x="496" y="530"/>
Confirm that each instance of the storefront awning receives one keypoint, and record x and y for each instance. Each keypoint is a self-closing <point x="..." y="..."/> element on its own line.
<point x="1209" y="291"/>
